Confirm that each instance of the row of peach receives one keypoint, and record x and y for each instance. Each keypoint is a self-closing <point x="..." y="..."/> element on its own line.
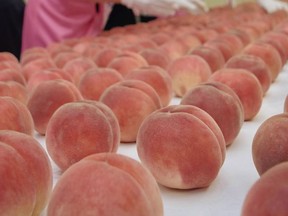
<point x="62" y="83"/>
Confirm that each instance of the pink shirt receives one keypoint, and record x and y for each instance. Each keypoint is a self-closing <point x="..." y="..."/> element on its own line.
<point x="48" y="21"/>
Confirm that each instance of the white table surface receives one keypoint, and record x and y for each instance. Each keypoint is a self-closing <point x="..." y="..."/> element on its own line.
<point x="226" y="194"/>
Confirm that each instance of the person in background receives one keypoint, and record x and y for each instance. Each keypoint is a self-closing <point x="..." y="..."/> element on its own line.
<point x="11" y="20"/>
<point x="49" y="21"/>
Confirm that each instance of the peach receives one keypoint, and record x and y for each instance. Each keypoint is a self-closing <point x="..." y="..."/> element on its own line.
<point x="279" y="41"/>
<point x="255" y="65"/>
<point x="286" y="104"/>
<point x="205" y="34"/>
<point x="127" y="61"/>
<point x="135" y="100"/>
<point x="15" y="116"/>
<point x="49" y="96"/>
<point x="10" y="65"/>
<point x="32" y="176"/>
<point x="7" y="56"/>
<point x="15" y="90"/>
<point x="187" y="71"/>
<point x="222" y="46"/>
<point x="270" y="146"/>
<point x="217" y="99"/>
<point x="268" y="195"/>
<point x="90" y="127"/>
<point x="12" y="74"/>
<point x="36" y="65"/>
<point x="212" y="56"/>
<point x="95" y="81"/>
<point x="135" y="191"/>
<point x="245" y="85"/>
<point x="235" y="42"/>
<point x="158" y="78"/>
<point x="160" y="38"/>
<point x="17" y="197"/>
<point x="200" y="150"/>
<point x="77" y="67"/>
<point x="155" y="57"/>
<point x="33" y="54"/>
<point x="61" y="58"/>
<point x="268" y="54"/>
<point x="105" y="56"/>
<point x="174" y="48"/>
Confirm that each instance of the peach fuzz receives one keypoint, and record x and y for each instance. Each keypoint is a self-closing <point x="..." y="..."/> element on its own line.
<point x="15" y="116"/>
<point x="211" y="55"/>
<point x="158" y="78"/>
<point x="12" y="74"/>
<point x="35" y="167"/>
<point x="75" y="68"/>
<point x="155" y="57"/>
<point x="90" y="127"/>
<point x="135" y="100"/>
<point x="134" y="191"/>
<point x="270" y="146"/>
<point x="268" y="54"/>
<point x="269" y="194"/>
<point x="187" y="71"/>
<point x="217" y="99"/>
<point x="16" y="199"/>
<point x="61" y="58"/>
<point x="15" y="90"/>
<point x="36" y="65"/>
<point x="41" y="76"/>
<point x="49" y="96"/>
<point x="127" y="61"/>
<point x="245" y="85"/>
<point x="95" y="81"/>
<point x="200" y="154"/>
<point x="285" y="107"/>
<point x="105" y="56"/>
<point x="7" y="56"/>
<point x="255" y="65"/>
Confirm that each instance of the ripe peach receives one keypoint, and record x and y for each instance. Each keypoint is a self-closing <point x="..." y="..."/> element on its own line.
<point x="216" y="99"/>
<point x="36" y="65"/>
<point x="212" y="56"/>
<point x="18" y="196"/>
<point x="39" y="77"/>
<point x="268" y="54"/>
<point x="246" y="86"/>
<point x="77" y="67"/>
<point x="174" y="48"/>
<point x="231" y="39"/>
<point x="135" y="191"/>
<point x="286" y="104"/>
<point x="89" y="127"/>
<point x="15" y="90"/>
<point x="93" y="83"/>
<point x="10" y="65"/>
<point x="155" y="57"/>
<point x="253" y="64"/>
<point x="268" y="195"/>
<point x="187" y="71"/>
<point x="105" y="56"/>
<point x="222" y="46"/>
<point x="12" y="74"/>
<point x="49" y="96"/>
<point x="61" y="58"/>
<point x="200" y="150"/>
<point x="127" y="61"/>
<point x="15" y="116"/>
<point x="33" y="54"/>
<point x="158" y="78"/>
<point x="7" y="56"/>
<point x="270" y="144"/>
<point x="135" y="100"/>
<point x="34" y="169"/>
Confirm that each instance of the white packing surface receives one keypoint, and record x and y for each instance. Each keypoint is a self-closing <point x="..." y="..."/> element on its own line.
<point x="226" y="194"/>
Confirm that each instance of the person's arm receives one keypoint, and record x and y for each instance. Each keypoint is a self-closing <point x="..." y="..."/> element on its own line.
<point x="160" y="7"/>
